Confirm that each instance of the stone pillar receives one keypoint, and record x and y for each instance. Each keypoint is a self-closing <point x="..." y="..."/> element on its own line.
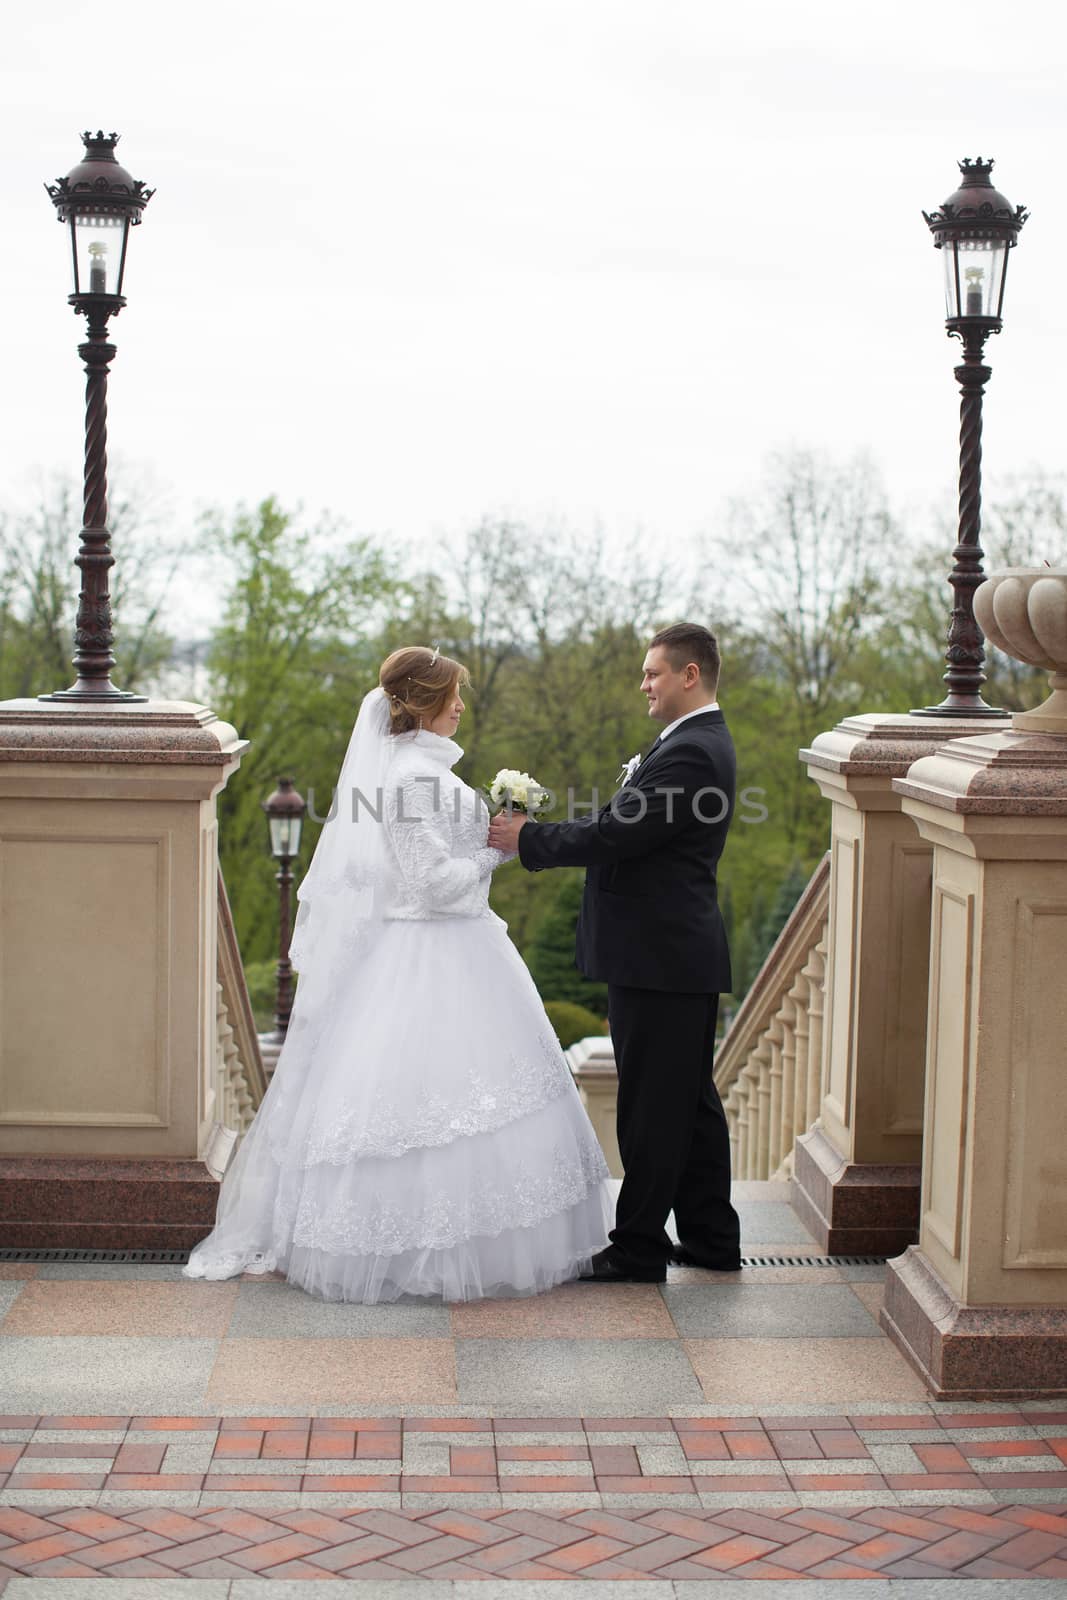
<point x="856" y="1174"/>
<point x="592" y="1064"/>
<point x="980" y="1306"/>
<point x="108" y="917"/>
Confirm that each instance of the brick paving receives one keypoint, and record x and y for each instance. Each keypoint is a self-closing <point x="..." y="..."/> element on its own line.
<point x="1014" y="1542"/>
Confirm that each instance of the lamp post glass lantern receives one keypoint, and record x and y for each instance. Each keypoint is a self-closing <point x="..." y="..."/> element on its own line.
<point x="99" y="203"/>
<point x="974" y="230"/>
<point x="285" y="810"/>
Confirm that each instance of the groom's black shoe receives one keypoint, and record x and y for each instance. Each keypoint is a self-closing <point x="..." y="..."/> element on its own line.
<point x="681" y="1257"/>
<point x="606" y="1270"/>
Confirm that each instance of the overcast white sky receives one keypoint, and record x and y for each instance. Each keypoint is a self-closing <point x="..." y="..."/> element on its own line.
<point x="420" y="260"/>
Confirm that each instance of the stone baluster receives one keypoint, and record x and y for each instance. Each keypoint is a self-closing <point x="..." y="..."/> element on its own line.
<point x="750" y="1077"/>
<point x="730" y="1108"/>
<point x="776" y="1034"/>
<point x="741" y="1169"/>
<point x="799" y="994"/>
<point x="815" y="972"/>
<point x="787" y="1016"/>
<point x="763" y="1057"/>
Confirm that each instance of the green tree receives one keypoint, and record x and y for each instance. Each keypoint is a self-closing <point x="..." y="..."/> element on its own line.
<point x="551" y="952"/>
<point x="289" y="663"/>
<point x="39" y="585"/>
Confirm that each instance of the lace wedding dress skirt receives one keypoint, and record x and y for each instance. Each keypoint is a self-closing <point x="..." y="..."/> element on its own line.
<point x="422" y="1134"/>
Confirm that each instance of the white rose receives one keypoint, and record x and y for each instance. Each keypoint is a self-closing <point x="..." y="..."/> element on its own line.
<point x="522" y="789"/>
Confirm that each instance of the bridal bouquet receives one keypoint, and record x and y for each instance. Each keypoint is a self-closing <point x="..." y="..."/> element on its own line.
<point x="517" y="789"/>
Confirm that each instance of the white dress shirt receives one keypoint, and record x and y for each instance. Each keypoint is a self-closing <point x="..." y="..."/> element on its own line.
<point x="677" y="723"/>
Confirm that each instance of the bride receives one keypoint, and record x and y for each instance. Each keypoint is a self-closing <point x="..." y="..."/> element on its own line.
<point x="421" y="1134"/>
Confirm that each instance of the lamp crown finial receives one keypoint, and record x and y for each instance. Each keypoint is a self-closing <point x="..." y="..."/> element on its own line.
<point x="976" y="171"/>
<point x="100" y="145"/>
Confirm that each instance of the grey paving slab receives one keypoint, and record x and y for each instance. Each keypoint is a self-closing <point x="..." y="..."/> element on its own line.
<point x="583" y="1374"/>
<point x="770" y="1311"/>
<point x="444" y="1502"/>
<point x="891" y="1436"/>
<point x="189" y="1453"/>
<point x="547" y="1436"/>
<point x="827" y="1499"/>
<point x="423" y="1457"/>
<point x="989" y="1588"/>
<point x="872" y="1274"/>
<point x="628" y="1502"/>
<point x="659" y="1458"/>
<point x="573" y="1500"/>
<point x="544" y="1469"/>
<point x="49" y="1499"/>
<point x="9" y="1293"/>
<point x="1028" y="1495"/>
<point x="898" y="1456"/>
<point x="783" y="1589"/>
<point x="123" y="1499"/>
<point x="120" y="1589"/>
<point x="565" y="1589"/>
<point x="106" y="1376"/>
<point x="720" y="1500"/>
<point x="769" y="1223"/>
<point x="737" y="1469"/>
<point x="342" y="1589"/>
<point x="276" y="1311"/>
<point x="948" y="1497"/>
<point x="417" y="1438"/>
<point x="113" y="1271"/>
<point x="83" y="1436"/>
<point x="970" y="1435"/>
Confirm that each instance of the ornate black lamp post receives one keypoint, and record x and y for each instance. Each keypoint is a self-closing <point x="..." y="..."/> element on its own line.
<point x="975" y="229"/>
<point x="285" y="812"/>
<point x="99" y="202"/>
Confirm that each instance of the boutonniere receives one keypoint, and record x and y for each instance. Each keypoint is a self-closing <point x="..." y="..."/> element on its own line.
<point x="628" y="769"/>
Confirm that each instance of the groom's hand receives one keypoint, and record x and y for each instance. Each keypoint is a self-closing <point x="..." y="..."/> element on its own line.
<point x="504" y="831"/>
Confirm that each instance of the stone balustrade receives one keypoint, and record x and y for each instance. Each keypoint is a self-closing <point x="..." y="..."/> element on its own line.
<point x="240" y="1078"/>
<point x="768" y="1068"/>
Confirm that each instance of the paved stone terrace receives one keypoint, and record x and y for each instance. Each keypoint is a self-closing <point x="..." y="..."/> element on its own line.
<point x="660" y="1440"/>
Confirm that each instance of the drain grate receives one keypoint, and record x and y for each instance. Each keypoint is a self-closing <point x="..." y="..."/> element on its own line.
<point x="813" y="1261"/>
<point x="179" y="1257"/>
<point x="138" y="1257"/>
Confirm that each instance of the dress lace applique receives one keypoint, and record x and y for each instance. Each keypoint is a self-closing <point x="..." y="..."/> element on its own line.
<point x="531" y="1191"/>
<point x="388" y="1129"/>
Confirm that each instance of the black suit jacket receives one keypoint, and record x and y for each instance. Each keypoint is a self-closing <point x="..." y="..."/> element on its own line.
<point x="650" y="914"/>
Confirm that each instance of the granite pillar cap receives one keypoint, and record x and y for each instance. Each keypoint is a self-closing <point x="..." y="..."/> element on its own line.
<point x="996" y="774"/>
<point x="882" y="743"/>
<point x="155" y="731"/>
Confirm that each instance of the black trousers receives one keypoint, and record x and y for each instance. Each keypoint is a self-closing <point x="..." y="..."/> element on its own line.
<point x="673" y="1137"/>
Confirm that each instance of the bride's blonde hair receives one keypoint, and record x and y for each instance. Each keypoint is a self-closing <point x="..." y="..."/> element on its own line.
<point x="419" y="684"/>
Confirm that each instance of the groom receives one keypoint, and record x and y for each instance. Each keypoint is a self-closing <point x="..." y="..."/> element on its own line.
<point x="650" y="927"/>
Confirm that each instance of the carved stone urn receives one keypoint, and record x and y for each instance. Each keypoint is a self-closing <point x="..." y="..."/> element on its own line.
<point x="1023" y="611"/>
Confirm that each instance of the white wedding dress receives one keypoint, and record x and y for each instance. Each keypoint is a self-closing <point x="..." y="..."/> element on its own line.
<point x="422" y="1134"/>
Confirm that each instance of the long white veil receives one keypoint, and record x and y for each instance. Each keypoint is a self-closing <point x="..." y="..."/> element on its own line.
<point x="343" y="893"/>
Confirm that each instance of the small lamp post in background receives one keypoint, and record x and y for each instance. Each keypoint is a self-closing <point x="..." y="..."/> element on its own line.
<point x="285" y="810"/>
<point x="974" y="230"/>
<point x="100" y="203"/>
